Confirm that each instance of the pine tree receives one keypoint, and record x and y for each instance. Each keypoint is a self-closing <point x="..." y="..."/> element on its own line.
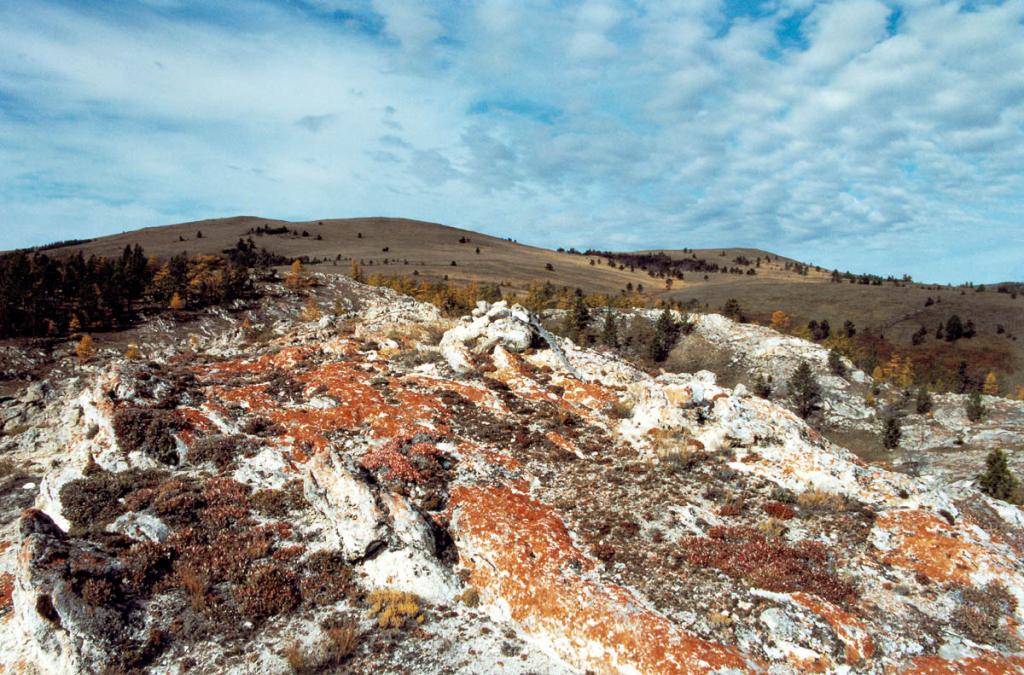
<point x="923" y="402"/>
<point x="577" y="318"/>
<point x="974" y="407"/>
<point x="991" y="386"/>
<point x="666" y="332"/>
<point x="762" y="386"/>
<point x="892" y="430"/>
<point x="610" y="332"/>
<point x="997" y="481"/>
<point x="954" y="329"/>
<point x="835" y="363"/>
<point x="804" y="390"/>
<point x="85" y="350"/>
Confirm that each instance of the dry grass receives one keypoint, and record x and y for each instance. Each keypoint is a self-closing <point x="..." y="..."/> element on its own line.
<point x="773" y="527"/>
<point x="393" y="608"/>
<point x="341" y="638"/>
<point x="821" y="500"/>
<point x="195" y="585"/>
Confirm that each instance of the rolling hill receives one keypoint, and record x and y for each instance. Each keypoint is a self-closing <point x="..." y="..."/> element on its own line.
<point x="395" y="246"/>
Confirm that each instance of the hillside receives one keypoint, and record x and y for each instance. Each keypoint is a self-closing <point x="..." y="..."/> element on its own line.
<point x="380" y="488"/>
<point x="895" y="311"/>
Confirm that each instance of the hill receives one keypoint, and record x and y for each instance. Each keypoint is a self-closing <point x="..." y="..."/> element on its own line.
<point x="760" y="281"/>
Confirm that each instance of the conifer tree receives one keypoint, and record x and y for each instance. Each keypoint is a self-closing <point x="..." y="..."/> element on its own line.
<point x="892" y="430"/>
<point x="997" y="481"/>
<point x="974" y="407"/>
<point x="296" y="276"/>
<point x="804" y="390"/>
<point x="835" y="363"/>
<point x="610" y="332"/>
<point x="176" y="301"/>
<point x="923" y="401"/>
<point x="666" y="332"/>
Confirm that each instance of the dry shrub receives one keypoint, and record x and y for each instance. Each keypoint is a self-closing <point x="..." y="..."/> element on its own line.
<point x="394" y="608"/>
<point x="195" y="585"/>
<point x="733" y="507"/>
<point x="773" y="527"/>
<point x="327" y="578"/>
<point x="981" y="611"/>
<point x="150" y="431"/>
<point x="821" y="500"/>
<point x="268" y="590"/>
<point x="779" y="510"/>
<point x="621" y="409"/>
<point x="769" y="563"/>
<point x="219" y="449"/>
<point x="341" y="637"/>
<point x="94" y="501"/>
<point x="469" y="597"/>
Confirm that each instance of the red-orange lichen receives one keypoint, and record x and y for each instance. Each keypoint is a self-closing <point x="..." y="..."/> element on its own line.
<point x="519" y="551"/>
<point x="562" y="442"/>
<point x="924" y="542"/>
<point x="851" y="631"/>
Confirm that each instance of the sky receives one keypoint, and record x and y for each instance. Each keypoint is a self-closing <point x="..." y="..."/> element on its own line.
<point x="883" y="137"/>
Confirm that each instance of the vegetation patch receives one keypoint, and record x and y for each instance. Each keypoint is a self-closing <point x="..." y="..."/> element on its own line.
<point x="769" y="562"/>
<point x="150" y="431"/>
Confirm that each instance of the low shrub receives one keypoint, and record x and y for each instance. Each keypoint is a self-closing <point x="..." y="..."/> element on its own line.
<point x="821" y="500"/>
<point x="768" y="562"/>
<point x="981" y="613"/>
<point x="94" y="501"/>
<point x="779" y="510"/>
<point x="393" y="608"/>
<point x="150" y="431"/>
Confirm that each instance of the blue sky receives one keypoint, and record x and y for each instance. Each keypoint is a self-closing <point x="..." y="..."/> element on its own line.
<point x="859" y="134"/>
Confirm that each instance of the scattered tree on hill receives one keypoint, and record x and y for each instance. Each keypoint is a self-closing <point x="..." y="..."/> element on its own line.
<point x="199" y="234"/>
<point x="577" y="318"/>
<point x="991" y="385"/>
<point x="849" y="329"/>
<point x="969" y="329"/>
<point x="610" y="331"/>
<point x="919" y="336"/>
<point x="781" y="321"/>
<point x="762" y="386"/>
<point x="954" y="329"/>
<point x="732" y="310"/>
<point x="997" y="481"/>
<point x="836" y="364"/>
<point x="963" y="379"/>
<point x="85" y="350"/>
<point x="923" y="401"/>
<point x="804" y="390"/>
<point x="296" y="275"/>
<point x="310" y="310"/>
<point x="892" y="430"/>
<point x="357" y="271"/>
<point x="939" y="332"/>
<point x="666" y="333"/>
<point x="974" y="407"/>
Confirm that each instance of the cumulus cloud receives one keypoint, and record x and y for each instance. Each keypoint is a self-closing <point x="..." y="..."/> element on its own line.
<point x="855" y="133"/>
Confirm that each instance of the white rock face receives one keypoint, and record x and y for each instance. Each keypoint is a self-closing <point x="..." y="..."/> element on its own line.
<point x="140" y="526"/>
<point x="346" y="502"/>
<point x="492" y="325"/>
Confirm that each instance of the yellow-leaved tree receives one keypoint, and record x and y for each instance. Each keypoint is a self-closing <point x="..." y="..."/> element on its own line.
<point x="85" y="349"/>
<point x="991" y="386"/>
<point x="781" y="321"/>
<point x="310" y="310"/>
<point x="176" y="301"/>
<point x="296" y="276"/>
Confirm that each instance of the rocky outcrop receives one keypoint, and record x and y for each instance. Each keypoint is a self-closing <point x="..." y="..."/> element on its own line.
<point x="514" y="504"/>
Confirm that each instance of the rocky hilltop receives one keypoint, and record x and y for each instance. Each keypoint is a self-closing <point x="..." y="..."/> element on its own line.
<point x="383" y="490"/>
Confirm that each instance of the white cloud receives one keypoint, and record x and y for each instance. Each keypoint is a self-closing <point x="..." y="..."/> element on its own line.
<point x="650" y="124"/>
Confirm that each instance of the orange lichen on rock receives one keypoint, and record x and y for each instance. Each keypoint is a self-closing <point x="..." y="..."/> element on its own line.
<point x="562" y="442"/>
<point x="925" y="543"/>
<point x="476" y="394"/>
<point x="519" y="552"/>
<point x="589" y="395"/>
<point x="988" y="664"/>
<point x="851" y="631"/>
